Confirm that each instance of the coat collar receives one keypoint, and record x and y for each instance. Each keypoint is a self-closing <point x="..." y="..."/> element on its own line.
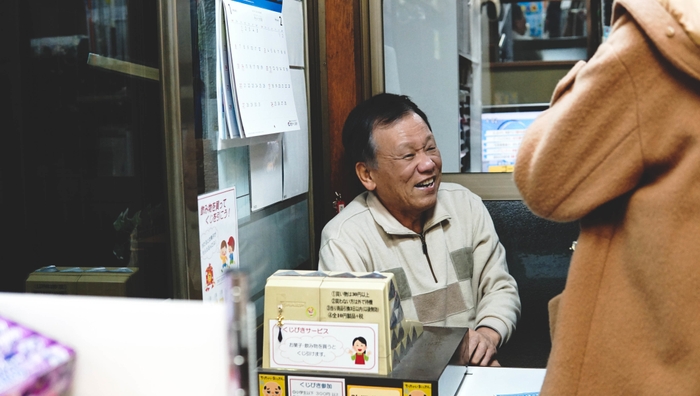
<point x="392" y="226"/>
<point x="670" y="25"/>
<point x="687" y="13"/>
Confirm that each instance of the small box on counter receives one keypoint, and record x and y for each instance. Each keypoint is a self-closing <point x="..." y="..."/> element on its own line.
<point x="335" y="321"/>
<point x="87" y="281"/>
<point x="32" y="363"/>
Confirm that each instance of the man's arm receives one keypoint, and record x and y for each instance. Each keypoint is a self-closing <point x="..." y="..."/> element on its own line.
<point x="497" y="299"/>
<point x="495" y="292"/>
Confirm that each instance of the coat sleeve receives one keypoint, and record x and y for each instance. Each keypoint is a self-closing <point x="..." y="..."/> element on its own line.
<point x="497" y="298"/>
<point x="585" y="149"/>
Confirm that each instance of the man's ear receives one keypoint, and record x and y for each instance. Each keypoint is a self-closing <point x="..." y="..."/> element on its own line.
<point x="365" y="176"/>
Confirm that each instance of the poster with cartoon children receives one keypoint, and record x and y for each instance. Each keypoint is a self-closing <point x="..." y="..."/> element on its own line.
<point x="218" y="233"/>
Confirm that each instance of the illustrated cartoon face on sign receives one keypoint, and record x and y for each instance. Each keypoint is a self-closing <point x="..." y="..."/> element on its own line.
<point x="310" y="311"/>
<point x="224" y="251"/>
<point x="231" y="247"/>
<point x="272" y="388"/>
<point x="359" y="347"/>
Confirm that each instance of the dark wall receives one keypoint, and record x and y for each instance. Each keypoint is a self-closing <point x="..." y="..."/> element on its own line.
<point x="538" y="254"/>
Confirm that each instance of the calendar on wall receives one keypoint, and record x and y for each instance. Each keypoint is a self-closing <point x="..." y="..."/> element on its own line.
<point x="255" y="84"/>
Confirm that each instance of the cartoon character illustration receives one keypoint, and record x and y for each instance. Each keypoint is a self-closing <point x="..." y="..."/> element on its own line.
<point x="209" y="277"/>
<point x="223" y="254"/>
<point x="417" y="392"/>
<point x="359" y="346"/>
<point x="231" y="246"/>
<point x="272" y="388"/>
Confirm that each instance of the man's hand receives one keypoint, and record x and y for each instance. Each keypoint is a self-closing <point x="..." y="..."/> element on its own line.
<point x="478" y="348"/>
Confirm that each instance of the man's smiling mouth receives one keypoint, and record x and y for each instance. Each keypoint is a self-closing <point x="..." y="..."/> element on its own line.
<point x="426" y="183"/>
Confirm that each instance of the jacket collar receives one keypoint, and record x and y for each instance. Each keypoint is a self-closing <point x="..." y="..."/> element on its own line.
<point x="392" y="226"/>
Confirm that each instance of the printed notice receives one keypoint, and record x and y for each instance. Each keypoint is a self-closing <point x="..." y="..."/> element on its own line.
<point x="259" y="67"/>
<point x="351" y="305"/>
<point x="349" y="347"/>
<point x="316" y="386"/>
<point x="218" y="238"/>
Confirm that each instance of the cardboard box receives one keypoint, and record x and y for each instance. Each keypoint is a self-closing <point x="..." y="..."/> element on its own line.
<point x="109" y="282"/>
<point x="336" y="300"/>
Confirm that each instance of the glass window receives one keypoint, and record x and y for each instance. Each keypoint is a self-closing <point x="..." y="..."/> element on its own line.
<point x="495" y="61"/>
<point x="539" y="31"/>
<point x="82" y="179"/>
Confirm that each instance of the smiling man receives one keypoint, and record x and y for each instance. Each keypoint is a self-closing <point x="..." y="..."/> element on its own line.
<point x="437" y="239"/>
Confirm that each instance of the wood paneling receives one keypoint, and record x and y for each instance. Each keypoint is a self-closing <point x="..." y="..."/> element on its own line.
<point x="344" y="82"/>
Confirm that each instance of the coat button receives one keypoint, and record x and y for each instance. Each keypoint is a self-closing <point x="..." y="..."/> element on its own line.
<point x="670" y="32"/>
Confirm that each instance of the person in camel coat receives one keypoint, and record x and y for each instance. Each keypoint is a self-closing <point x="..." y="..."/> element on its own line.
<point x="619" y="150"/>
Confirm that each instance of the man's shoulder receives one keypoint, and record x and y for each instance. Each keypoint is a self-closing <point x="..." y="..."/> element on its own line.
<point x="459" y="203"/>
<point x="456" y="192"/>
<point x="453" y="187"/>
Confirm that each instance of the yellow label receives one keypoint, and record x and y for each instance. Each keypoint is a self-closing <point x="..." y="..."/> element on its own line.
<point x="354" y="390"/>
<point x="271" y="385"/>
<point x="417" y="389"/>
<point x="501" y="168"/>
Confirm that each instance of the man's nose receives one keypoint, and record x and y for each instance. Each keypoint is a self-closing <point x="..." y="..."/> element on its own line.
<point x="425" y="162"/>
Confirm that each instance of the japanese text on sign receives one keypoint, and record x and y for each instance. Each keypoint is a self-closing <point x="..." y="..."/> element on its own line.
<point x="215" y="211"/>
<point x="350" y="305"/>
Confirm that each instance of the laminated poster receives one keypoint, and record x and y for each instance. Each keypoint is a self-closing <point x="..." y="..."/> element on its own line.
<point x="328" y="346"/>
<point x="218" y="239"/>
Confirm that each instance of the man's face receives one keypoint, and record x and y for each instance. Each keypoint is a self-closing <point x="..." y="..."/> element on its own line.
<point x="409" y="168"/>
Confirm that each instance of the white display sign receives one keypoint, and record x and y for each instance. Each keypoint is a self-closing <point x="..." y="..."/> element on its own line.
<point x="218" y="239"/>
<point x="316" y="386"/>
<point x="348" y="347"/>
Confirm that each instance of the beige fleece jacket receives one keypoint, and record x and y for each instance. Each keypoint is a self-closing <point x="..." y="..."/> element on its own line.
<point x="460" y="280"/>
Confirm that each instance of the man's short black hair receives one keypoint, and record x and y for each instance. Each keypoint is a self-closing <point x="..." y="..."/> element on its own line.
<point x="380" y="110"/>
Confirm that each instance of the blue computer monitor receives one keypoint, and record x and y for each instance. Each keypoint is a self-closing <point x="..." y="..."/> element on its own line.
<point x="502" y="130"/>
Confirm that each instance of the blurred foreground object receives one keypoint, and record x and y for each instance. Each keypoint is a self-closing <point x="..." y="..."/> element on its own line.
<point x="33" y="364"/>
